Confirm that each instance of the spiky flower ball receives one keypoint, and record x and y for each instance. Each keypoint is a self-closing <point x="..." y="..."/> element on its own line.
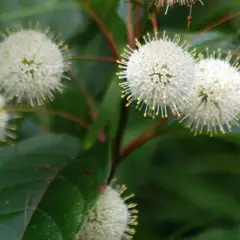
<point x="5" y="128"/>
<point x="112" y="218"/>
<point x="214" y="104"/>
<point x="32" y="65"/>
<point x="158" y="75"/>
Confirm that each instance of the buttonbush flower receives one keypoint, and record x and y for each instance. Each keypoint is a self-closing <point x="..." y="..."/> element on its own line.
<point x="112" y="218"/>
<point x="32" y="63"/>
<point x="214" y="103"/>
<point x="157" y="75"/>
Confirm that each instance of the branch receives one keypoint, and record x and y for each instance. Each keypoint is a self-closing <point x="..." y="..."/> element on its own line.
<point x="154" y="20"/>
<point x="142" y="139"/>
<point x="89" y="98"/>
<point x="68" y="116"/>
<point x="225" y="19"/>
<point x="123" y="111"/>
<point x="93" y="58"/>
<point x="130" y="29"/>
<point x="155" y="25"/>
<point x="118" y="139"/>
<point x="138" y="21"/>
<point x="80" y="122"/>
<point x="137" y="2"/>
<point x="103" y="28"/>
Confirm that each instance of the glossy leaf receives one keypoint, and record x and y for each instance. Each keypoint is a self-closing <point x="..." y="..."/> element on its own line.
<point x="47" y="186"/>
<point x="217" y="234"/>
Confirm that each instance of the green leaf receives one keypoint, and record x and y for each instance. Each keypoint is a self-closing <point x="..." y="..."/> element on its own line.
<point x="214" y="163"/>
<point x="47" y="186"/>
<point x="199" y="192"/>
<point x="25" y="172"/>
<point x="73" y="102"/>
<point x="107" y="113"/>
<point x="182" y="181"/>
<point x="44" y="11"/>
<point x="186" y="161"/>
<point x="218" y="234"/>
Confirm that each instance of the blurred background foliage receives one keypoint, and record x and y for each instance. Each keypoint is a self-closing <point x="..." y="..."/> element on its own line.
<point x="187" y="187"/>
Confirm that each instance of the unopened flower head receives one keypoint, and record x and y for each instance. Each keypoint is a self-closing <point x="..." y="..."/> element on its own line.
<point x="32" y="63"/>
<point x="170" y="3"/>
<point x="5" y="128"/>
<point x="112" y="218"/>
<point x="158" y="75"/>
<point x="214" y="103"/>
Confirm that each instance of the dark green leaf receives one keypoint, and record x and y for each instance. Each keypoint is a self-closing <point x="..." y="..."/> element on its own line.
<point x="107" y="113"/>
<point x="217" y="234"/>
<point x="47" y="186"/>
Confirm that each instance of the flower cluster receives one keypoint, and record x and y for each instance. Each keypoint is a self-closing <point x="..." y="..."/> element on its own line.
<point x="32" y="63"/>
<point x="214" y="103"/>
<point x="112" y="218"/>
<point x="202" y="89"/>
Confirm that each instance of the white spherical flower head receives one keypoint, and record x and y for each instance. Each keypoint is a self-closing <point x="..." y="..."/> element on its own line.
<point x="32" y="65"/>
<point x="111" y="219"/>
<point x="159" y="74"/>
<point x="214" y="103"/>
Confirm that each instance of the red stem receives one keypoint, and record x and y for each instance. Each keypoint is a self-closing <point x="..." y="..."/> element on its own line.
<point x="138" y="142"/>
<point x="124" y="111"/>
<point x="130" y="29"/>
<point x="154" y="20"/>
<point x="73" y="118"/>
<point x="142" y="139"/>
<point x="104" y="29"/>
<point x="155" y="24"/>
<point x="225" y="19"/>
<point x="77" y="120"/>
<point x="138" y="21"/>
<point x="138" y="2"/>
<point x="89" y="98"/>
